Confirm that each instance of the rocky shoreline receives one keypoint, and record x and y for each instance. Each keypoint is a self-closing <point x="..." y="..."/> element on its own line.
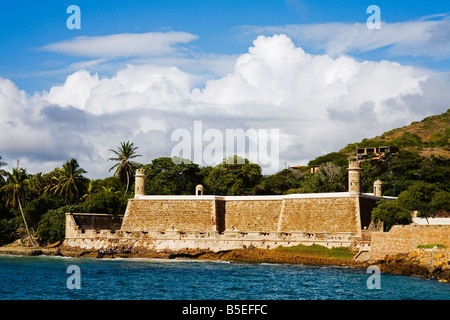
<point x="425" y="263"/>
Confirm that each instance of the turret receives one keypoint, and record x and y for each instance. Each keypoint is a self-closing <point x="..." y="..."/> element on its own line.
<point x="139" y="183"/>
<point x="199" y="190"/>
<point x="354" y="178"/>
<point x="377" y="189"/>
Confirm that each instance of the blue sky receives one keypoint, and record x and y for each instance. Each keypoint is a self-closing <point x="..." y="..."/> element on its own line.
<point x="31" y="25"/>
<point x="250" y="64"/>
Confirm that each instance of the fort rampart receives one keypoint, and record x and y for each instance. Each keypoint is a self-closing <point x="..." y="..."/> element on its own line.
<point x="216" y="223"/>
<point x="221" y="223"/>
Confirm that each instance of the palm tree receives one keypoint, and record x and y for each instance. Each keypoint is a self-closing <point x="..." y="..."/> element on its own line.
<point x="70" y="182"/>
<point x="15" y="192"/>
<point x="2" y="164"/>
<point x="125" y="167"/>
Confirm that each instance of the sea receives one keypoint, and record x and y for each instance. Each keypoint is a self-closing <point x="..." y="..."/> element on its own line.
<point x="63" y="278"/>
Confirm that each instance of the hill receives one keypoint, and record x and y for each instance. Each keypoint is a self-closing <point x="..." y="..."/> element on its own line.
<point x="429" y="137"/>
<point x="423" y="155"/>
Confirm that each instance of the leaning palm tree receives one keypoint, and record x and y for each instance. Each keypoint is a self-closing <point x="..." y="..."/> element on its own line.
<point x="14" y="192"/>
<point x="70" y="182"/>
<point x="125" y="167"/>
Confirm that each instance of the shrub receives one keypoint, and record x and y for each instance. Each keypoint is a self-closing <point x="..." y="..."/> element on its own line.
<point x="7" y="230"/>
<point x="51" y="228"/>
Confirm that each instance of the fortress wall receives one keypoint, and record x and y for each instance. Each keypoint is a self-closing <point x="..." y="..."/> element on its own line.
<point x="406" y="238"/>
<point x="153" y="213"/>
<point x="311" y="213"/>
<point x="320" y="214"/>
<point x="246" y="214"/>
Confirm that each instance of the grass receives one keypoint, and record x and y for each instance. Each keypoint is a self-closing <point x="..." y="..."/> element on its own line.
<point x="320" y="251"/>
<point x="430" y="246"/>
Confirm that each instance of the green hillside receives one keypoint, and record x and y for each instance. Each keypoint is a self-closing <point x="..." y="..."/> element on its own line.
<point x="424" y="155"/>
<point x="429" y="137"/>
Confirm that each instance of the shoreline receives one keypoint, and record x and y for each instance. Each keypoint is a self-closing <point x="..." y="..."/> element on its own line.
<point x="423" y="263"/>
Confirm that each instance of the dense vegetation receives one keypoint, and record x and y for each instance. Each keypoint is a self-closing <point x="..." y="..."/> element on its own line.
<point x="36" y="203"/>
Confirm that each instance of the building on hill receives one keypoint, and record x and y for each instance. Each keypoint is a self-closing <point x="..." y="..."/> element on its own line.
<point x="377" y="152"/>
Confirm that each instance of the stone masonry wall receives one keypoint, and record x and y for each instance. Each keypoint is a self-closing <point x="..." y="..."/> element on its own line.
<point x="320" y="215"/>
<point x="159" y="214"/>
<point x="295" y="213"/>
<point x="402" y="239"/>
<point x="252" y="215"/>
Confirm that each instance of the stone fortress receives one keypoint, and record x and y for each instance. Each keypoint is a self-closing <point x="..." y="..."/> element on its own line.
<point x="215" y="223"/>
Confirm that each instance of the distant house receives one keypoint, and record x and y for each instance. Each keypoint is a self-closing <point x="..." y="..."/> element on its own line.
<point x="314" y="168"/>
<point x="378" y="152"/>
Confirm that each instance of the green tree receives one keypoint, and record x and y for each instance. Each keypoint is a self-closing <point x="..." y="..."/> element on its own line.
<point x="337" y="158"/>
<point x="391" y="213"/>
<point x="51" y="228"/>
<point x="70" y="183"/>
<point x="418" y="198"/>
<point x="35" y="208"/>
<point x="125" y="167"/>
<point x="106" y="201"/>
<point x="235" y="176"/>
<point x="165" y="176"/>
<point x="2" y="164"/>
<point x="280" y="182"/>
<point x="440" y="201"/>
<point x="328" y="178"/>
<point x="14" y="192"/>
<point x="7" y="230"/>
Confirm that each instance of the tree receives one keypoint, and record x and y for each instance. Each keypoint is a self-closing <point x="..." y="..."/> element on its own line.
<point x="51" y="228"/>
<point x="165" y="176"/>
<point x="15" y="192"/>
<point x="391" y="213"/>
<point x="2" y="164"/>
<point x="337" y="158"/>
<point x="106" y="201"/>
<point x="329" y="178"/>
<point x="233" y="177"/>
<point x="441" y="201"/>
<point x="280" y="182"/>
<point x="70" y="183"/>
<point x="125" y="167"/>
<point x="418" y="198"/>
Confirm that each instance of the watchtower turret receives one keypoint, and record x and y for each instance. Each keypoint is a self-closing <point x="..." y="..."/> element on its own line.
<point x="139" y="183"/>
<point x="377" y="189"/>
<point x="354" y="178"/>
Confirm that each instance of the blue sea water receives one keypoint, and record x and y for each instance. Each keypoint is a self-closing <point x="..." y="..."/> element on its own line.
<point x="43" y="277"/>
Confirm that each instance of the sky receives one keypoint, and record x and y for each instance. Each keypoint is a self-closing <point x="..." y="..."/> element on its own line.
<point x="315" y="71"/>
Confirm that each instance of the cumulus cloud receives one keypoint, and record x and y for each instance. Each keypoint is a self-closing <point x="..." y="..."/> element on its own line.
<point x="319" y="103"/>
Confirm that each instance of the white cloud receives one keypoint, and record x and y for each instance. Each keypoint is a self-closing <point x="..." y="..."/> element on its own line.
<point x="123" y="45"/>
<point x="319" y="102"/>
<point x="426" y="38"/>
